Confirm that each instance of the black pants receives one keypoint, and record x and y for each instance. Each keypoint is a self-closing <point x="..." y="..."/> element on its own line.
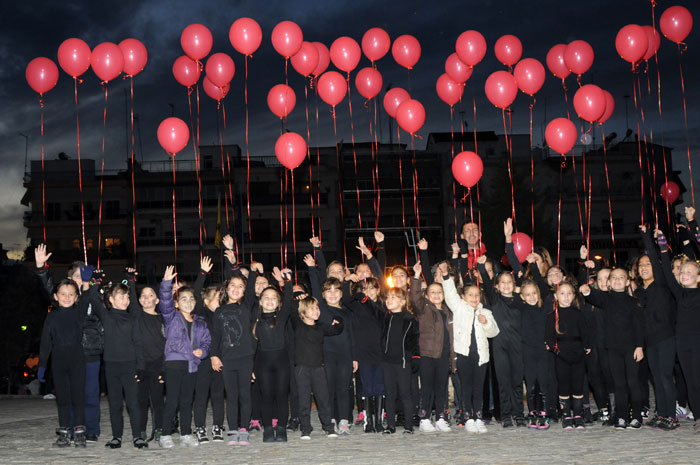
<point x="662" y="357"/>
<point x="338" y="375"/>
<point x="68" y="370"/>
<point x="594" y="372"/>
<point x="471" y="379"/>
<point x="690" y="363"/>
<point x="508" y="361"/>
<point x="121" y="384"/>
<point x="570" y="376"/>
<point x="434" y="373"/>
<point x="313" y="380"/>
<point x="209" y="382"/>
<point x="237" y="377"/>
<point x="536" y="364"/>
<point x="681" y="386"/>
<point x="150" y="391"/>
<point x="272" y="377"/>
<point x="625" y="373"/>
<point x="293" y="391"/>
<point x="179" y="383"/>
<point x="372" y="375"/>
<point x="397" y="380"/>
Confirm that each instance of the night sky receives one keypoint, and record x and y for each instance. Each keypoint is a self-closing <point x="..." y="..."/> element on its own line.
<point x="37" y="28"/>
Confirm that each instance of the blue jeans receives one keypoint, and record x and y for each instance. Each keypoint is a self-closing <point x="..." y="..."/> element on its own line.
<point x="92" y="398"/>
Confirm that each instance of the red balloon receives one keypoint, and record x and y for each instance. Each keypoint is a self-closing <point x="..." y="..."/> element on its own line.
<point x="186" y="71"/>
<point x="654" y="40"/>
<point x="281" y="100"/>
<point x="287" y="38"/>
<point x="196" y="41"/>
<point x="324" y="58"/>
<point x="578" y="56"/>
<point x="306" y="59"/>
<point x="368" y="82"/>
<point x="290" y="149"/>
<point x="522" y="245"/>
<point x="632" y="43"/>
<point x="245" y="35"/>
<point x="74" y="57"/>
<point x="375" y="43"/>
<point x="609" y="107"/>
<point x="393" y="99"/>
<point x="107" y="61"/>
<point x="529" y="75"/>
<point x="670" y="191"/>
<point x="676" y="23"/>
<point x="467" y="168"/>
<point x="456" y="70"/>
<point x="555" y="61"/>
<point x="501" y="89"/>
<point x="471" y="47"/>
<point x="41" y="74"/>
<point x="220" y="69"/>
<point x="135" y="56"/>
<point x="508" y="49"/>
<point x="173" y="135"/>
<point x="411" y="116"/>
<point x="589" y="102"/>
<point x="406" y="51"/>
<point x="448" y="90"/>
<point x="345" y="53"/>
<point x="214" y="91"/>
<point x="560" y="135"/>
<point x="332" y="87"/>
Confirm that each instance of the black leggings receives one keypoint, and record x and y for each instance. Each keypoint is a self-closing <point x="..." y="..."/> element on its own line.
<point x="536" y="363"/>
<point x="625" y="373"/>
<point x="434" y="373"/>
<point x="121" y="377"/>
<point x="594" y="372"/>
<point x="508" y="361"/>
<point x="68" y="370"/>
<point x="570" y="376"/>
<point x="180" y="391"/>
<point x="338" y="375"/>
<point x="150" y="391"/>
<point x="237" y="379"/>
<point x="662" y="357"/>
<point x="209" y="382"/>
<point x="690" y="363"/>
<point x="397" y="380"/>
<point x="272" y="376"/>
<point x="471" y="379"/>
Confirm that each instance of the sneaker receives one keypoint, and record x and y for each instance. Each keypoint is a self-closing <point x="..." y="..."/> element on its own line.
<point x="293" y="424"/>
<point x="79" y="436"/>
<point x="280" y="433"/>
<point x="115" y="443"/>
<point x="268" y="434"/>
<point x="232" y="437"/>
<point x="254" y="424"/>
<point x="470" y="426"/>
<point x="587" y="416"/>
<point x="567" y="423"/>
<point x="635" y="424"/>
<point x="507" y="422"/>
<point x="63" y="440"/>
<point x="140" y="443"/>
<point x="217" y="434"/>
<point x="426" y="426"/>
<point x="579" y="423"/>
<point x="49" y="396"/>
<point x="604" y="415"/>
<point x="389" y="430"/>
<point x="480" y="426"/>
<point x="189" y="440"/>
<point x="407" y="430"/>
<point x="243" y="437"/>
<point x="690" y="416"/>
<point x="416" y="421"/>
<point x="306" y="436"/>
<point x="331" y="434"/>
<point x="645" y="412"/>
<point x="652" y="422"/>
<point x="532" y="420"/>
<point x="442" y="425"/>
<point x="360" y="418"/>
<point x="621" y="424"/>
<point x="91" y="438"/>
<point x="166" y="442"/>
<point x="201" y="434"/>
<point x="681" y="412"/>
<point x="460" y="418"/>
<point x="344" y="428"/>
<point x="520" y="422"/>
<point x="542" y="421"/>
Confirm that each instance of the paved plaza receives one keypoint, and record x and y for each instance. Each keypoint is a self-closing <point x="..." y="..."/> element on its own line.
<point x="27" y="427"/>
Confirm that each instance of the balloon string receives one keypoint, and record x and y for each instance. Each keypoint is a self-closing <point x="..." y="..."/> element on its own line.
<point x="196" y="158"/>
<point x="561" y="169"/>
<point x="578" y="198"/>
<point x="228" y="180"/>
<point x="532" y="180"/>
<point x="286" y="217"/>
<point x="403" y="202"/>
<point x="663" y="155"/>
<point x="376" y="186"/>
<point x="102" y="173"/>
<point x="641" y="106"/>
<point x="133" y="179"/>
<point x="318" y="163"/>
<point x="639" y="152"/>
<point x="607" y="182"/>
<point x="204" y="227"/>
<point x="172" y="155"/>
<point x="416" y="206"/>
<point x="476" y="149"/>
<point x="308" y="155"/>
<point x="223" y="167"/>
<point x="566" y="99"/>
<point x="294" y="228"/>
<point x="588" y="223"/>
<point x="510" y="162"/>
<point x="80" y="171"/>
<point x="281" y="216"/>
<point x="247" y="156"/>
<point x="685" y="120"/>
<point x="354" y="155"/>
<point x="340" y="187"/>
<point x="43" y="173"/>
<point x="454" y="184"/>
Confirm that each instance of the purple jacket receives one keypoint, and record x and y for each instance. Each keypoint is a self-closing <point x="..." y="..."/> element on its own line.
<point x="178" y="344"/>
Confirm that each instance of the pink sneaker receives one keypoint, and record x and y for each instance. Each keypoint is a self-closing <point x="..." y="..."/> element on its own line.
<point x="254" y="424"/>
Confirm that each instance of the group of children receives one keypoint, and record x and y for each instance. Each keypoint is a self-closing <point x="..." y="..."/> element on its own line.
<point x="259" y="345"/>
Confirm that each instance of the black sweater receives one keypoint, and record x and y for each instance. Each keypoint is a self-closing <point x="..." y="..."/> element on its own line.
<point x="573" y="338"/>
<point x="367" y="316"/>
<point x="505" y="311"/>
<point x="274" y="337"/>
<point x="308" y="344"/>
<point x="342" y="343"/>
<point x="123" y="341"/>
<point x="687" y="309"/>
<point x="232" y="335"/>
<point x="623" y="327"/>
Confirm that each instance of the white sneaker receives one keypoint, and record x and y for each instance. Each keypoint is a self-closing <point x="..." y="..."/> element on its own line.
<point x="189" y="440"/>
<point x="470" y="426"/>
<point x="681" y="412"/>
<point x="426" y="426"/>
<point x="49" y="396"/>
<point x="442" y="426"/>
<point x="480" y="427"/>
<point x="344" y="428"/>
<point x="166" y="442"/>
<point x="690" y="416"/>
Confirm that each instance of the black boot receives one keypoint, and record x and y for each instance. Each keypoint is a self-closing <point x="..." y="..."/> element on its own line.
<point x="63" y="439"/>
<point x="280" y="433"/>
<point x="379" y="415"/>
<point x="567" y="421"/>
<point x="268" y="434"/>
<point x="577" y="404"/>
<point x="371" y="406"/>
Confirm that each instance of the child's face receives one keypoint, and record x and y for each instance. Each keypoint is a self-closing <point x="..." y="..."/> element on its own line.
<point x="66" y="296"/>
<point x="394" y="303"/>
<point x="601" y="279"/>
<point x="676" y="269"/>
<point x="372" y="292"/>
<point x="472" y="296"/>
<point x="336" y="271"/>
<point x="554" y="276"/>
<point x="435" y="294"/>
<point x="618" y="280"/>
<point x="312" y="313"/>
<point x="506" y="285"/>
<point x="565" y="295"/>
<point x="399" y="278"/>
<point x="489" y="269"/>
<point x="644" y="269"/>
<point x="529" y="294"/>
<point x="148" y="298"/>
<point x="362" y="271"/>
<point x="76" y="278"/>
<point x="212" y="302"/>
<point x="332" y="296"/>
<point x="689" y="275"/>
<point x="261" y="283"/>
<point x="269" y="301"/>
<point x="186" y="302"/>
<point x="119" y="300"/>
<point x="235" y="290"/>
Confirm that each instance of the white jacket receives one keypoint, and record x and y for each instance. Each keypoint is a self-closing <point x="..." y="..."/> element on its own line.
<point x="464" y="319"/>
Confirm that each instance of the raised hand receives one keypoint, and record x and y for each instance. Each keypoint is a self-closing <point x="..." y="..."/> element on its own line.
<point x="257" y="267"/>
<point x="205" y="264"/>
<point x="230" y="256"/>
<point x="584" y="289"/>
<point x="508" y="229"/>
<point x="277" y="274"/>
<point x="315" y="242"/>
<point x="378" y="236"/>
<point x="481" y="259"/>
<point x="41" y="256"/>
<point x="643" y="228"/>
<point x="309" y="260"/>
<point x="583" y="252"/>
<point x="417" y="269"/>
<point x="423" y="244"/>
<point x="455" y="248"/>
<point x="227" y="241"/>
<point x="169" y="273"/>
<point x="363" y="248"/>
<point x="531" y="258"/>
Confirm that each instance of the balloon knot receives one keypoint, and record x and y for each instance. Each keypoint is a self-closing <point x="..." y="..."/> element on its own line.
<point x="189" y="90"/>
<point x="682" y="47"/>
<point x="366" y="103"/>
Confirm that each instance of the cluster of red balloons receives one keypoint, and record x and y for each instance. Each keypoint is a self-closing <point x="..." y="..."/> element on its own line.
<point x="576" y="57"/>
<point x="591" y="103"/>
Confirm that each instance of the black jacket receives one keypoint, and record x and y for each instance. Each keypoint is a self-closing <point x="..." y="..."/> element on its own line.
<point x="232" y="335"/>
<point x="623" y="327"/>
<point x="399" y="337"/>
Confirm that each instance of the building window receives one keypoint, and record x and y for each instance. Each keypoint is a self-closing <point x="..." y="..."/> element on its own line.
<point x="111" y="243"/>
